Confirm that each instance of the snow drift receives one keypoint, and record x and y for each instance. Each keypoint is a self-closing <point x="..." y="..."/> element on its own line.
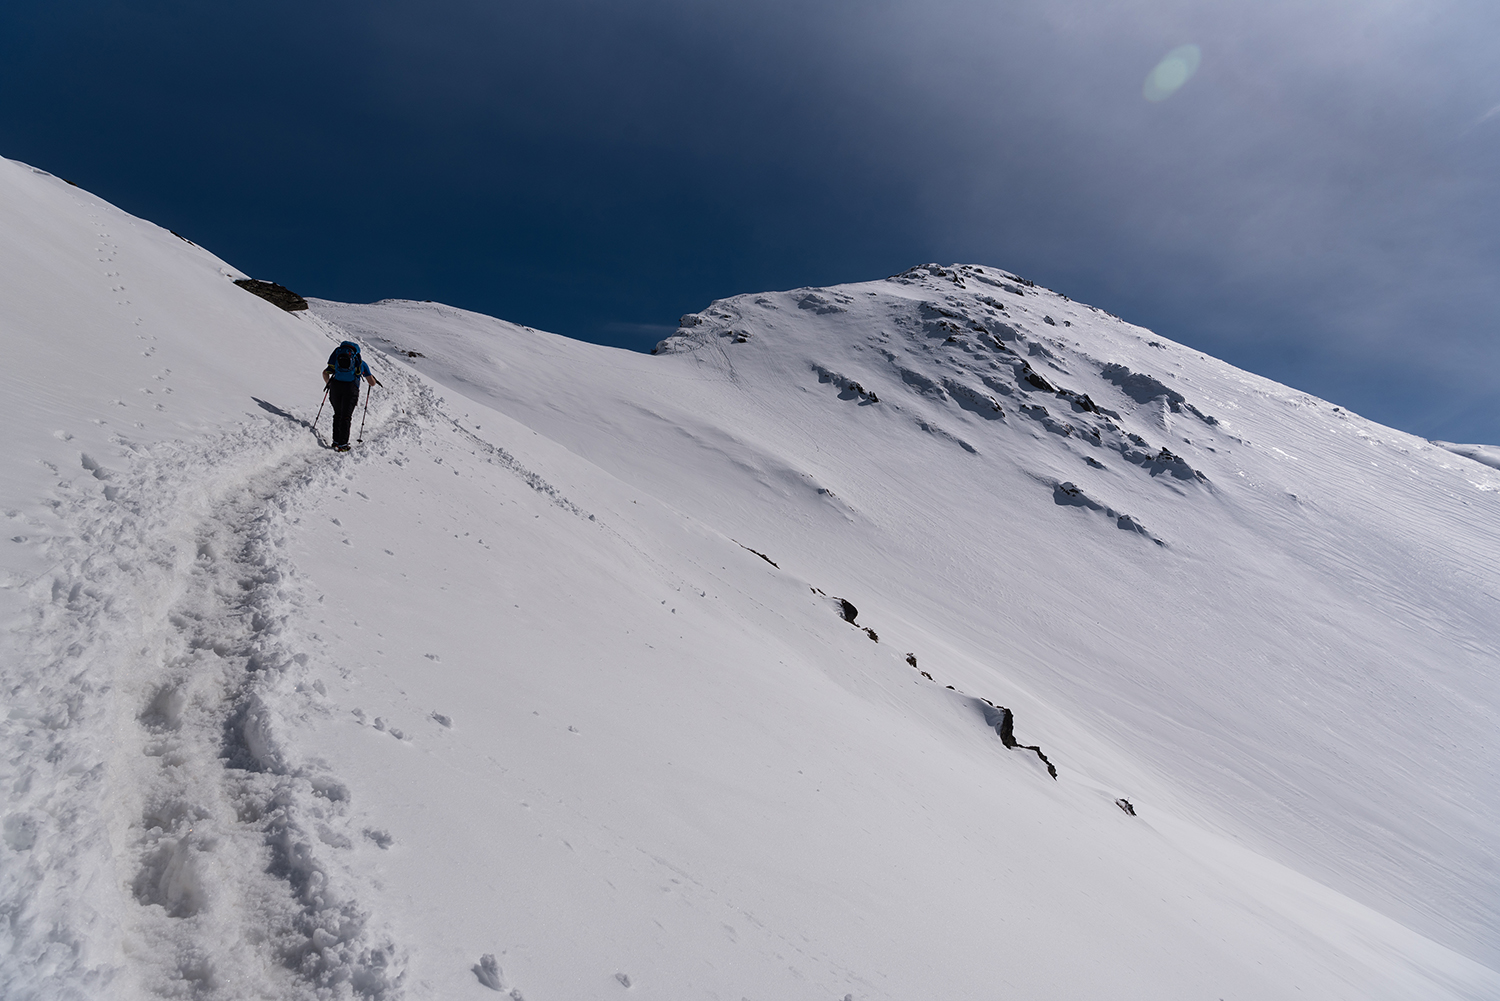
<point x="736" y="671"/>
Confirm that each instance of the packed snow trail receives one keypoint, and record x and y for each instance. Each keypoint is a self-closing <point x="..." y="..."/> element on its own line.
<point x="145" y="717"/>
<point x="159" y="837"/>
<point x="158" y="672"/>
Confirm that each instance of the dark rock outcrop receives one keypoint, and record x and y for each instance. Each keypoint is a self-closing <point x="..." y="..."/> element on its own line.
<point x="1004" y="722"/>
<point x="276" y="295"/>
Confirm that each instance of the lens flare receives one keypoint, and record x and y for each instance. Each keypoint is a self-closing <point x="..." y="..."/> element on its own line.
<point x="1175" y="69"/>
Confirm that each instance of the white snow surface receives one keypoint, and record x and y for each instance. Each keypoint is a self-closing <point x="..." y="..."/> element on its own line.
<point x="1487" y="454"/>
<point x="507" y="700"/>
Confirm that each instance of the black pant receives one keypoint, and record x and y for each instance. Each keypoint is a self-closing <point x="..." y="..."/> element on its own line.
<point x="345" y="397"/>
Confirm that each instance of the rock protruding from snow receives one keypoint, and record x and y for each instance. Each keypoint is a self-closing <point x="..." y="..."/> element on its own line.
<point x="276" y="295"/>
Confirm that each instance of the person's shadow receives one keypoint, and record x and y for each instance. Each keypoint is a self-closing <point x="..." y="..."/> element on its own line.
<point x="272" y="408"/>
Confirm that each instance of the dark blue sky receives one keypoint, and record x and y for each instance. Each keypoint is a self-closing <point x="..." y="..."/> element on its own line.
<point x="1319" y="203"/>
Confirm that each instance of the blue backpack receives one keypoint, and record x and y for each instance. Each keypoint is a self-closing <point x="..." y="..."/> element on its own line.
<point x="345" y="362"/>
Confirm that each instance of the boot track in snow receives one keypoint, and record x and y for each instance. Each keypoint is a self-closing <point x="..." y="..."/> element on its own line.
<point x="162" y="669"/>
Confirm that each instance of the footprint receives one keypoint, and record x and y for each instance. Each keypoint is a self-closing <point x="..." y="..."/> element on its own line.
<point x="384" y="727"/>
<point x="488" y="972"/>
<point x="19" y="832"/>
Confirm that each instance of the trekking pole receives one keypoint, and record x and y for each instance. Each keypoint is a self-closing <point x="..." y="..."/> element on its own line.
<point x="320" y="409"/>
<point x="361" y="438"/>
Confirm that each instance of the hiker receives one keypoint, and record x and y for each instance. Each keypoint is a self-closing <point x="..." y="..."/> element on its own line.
<point x="342" y="379"/>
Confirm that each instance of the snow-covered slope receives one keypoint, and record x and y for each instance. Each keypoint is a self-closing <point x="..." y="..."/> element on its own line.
<point x="1487" y="454"/>
<point x="557" y="666"/>
<point x="1280" y="605"/>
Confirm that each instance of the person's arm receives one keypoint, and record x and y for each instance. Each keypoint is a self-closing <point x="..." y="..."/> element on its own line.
<point x="327" y="374"/>
<point x="370" y="377"/>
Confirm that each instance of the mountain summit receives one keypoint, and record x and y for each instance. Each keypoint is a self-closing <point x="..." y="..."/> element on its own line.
<point x="934" y="636"/>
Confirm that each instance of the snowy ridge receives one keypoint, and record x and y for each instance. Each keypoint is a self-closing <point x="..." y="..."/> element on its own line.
<point x="817" y="656"/>
<point x="1487" y="454"/>
<point x="1269" y="499"/>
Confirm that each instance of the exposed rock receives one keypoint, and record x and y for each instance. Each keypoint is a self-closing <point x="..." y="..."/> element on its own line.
<point x="276" y="295"/>
<point x="1004" y="722"/>
<point x="760" y="554"/>
<point x="1036" y="380"/>
<point x="1071" y="495"/>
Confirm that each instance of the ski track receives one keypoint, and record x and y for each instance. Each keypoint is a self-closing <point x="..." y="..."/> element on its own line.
<point x="164" y="662"/>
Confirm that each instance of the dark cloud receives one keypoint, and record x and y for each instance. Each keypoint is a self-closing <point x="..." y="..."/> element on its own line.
<point x="1317" y="203"/>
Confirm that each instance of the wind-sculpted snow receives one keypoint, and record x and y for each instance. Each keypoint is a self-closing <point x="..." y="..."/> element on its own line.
<point x="590" y="671"/>
<point x="970" y="331"/>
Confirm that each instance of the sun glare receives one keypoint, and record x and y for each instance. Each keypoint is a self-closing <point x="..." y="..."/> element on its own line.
<point x="1175" y="69"/>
